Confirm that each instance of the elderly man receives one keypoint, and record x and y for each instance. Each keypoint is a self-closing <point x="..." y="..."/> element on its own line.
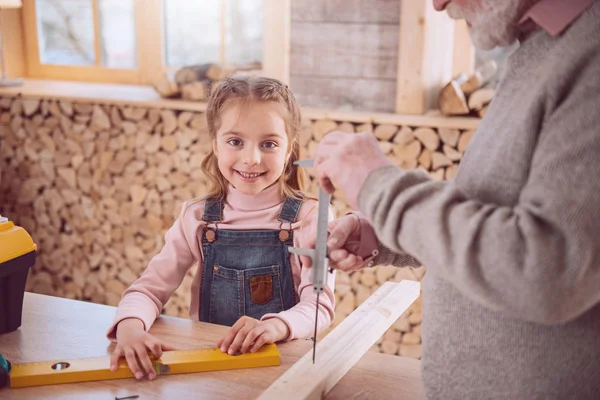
<point x="511" y="298"/>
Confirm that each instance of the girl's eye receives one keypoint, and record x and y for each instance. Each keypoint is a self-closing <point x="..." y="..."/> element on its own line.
<point x="270" y="145"/>
<point x="235" y="142"/>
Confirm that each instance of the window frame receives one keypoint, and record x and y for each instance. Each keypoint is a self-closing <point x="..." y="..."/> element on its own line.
<point x="150" y="56"/>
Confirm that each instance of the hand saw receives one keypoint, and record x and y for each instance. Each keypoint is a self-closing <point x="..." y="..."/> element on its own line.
<point x="318" y="255"/>
<point x="98" y="368"/>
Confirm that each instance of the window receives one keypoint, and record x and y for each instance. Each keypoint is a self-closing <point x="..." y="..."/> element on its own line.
<point x="68" y="31"/>
<point x="198" y="32"/>
<point x="132" y="41"/>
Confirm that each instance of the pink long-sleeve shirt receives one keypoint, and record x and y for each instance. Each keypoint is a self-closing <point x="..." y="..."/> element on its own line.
<point x="145" y="298"/>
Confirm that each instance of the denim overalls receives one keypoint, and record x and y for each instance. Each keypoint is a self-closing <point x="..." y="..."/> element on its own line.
<point x="246" y="272"/>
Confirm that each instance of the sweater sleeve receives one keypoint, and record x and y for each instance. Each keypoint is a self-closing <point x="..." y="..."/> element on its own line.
<point x="538" y="260"/>
<point x="300" y="319"/>
<point x="145" y="298"/>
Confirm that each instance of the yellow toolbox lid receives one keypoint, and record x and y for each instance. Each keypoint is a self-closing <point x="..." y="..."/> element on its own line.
<point x="14" y="241"/>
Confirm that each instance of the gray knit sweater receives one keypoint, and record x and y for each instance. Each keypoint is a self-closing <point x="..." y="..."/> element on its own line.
<point x="511" y="297"/>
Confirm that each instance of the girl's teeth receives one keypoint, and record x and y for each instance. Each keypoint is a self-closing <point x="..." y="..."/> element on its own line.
<point x="249" y="175"/>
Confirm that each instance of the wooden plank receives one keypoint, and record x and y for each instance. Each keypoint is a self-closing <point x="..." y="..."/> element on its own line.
<point x="144" y="96"/>
<point x="375" y="95"/>
<point x="356" y="11"/>
<point x="105" y="93"/>
<point x="223" y="32"/>
<point x="84" y="74"/>
<point x="150" y="42"/>
<point x="424" y="56"/>
<point x="463" y="56"/>
<point x="345" y="345"/>
<point x="97" y="34"/>
<point x="276" y="39"/>
<point x="13" y="43"/>
<point x="30" y="35"/>
<point x="433" y="120"/>
<point x="344" y="50"/>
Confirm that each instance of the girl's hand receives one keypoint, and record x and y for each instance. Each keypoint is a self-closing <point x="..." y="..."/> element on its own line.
<point x="133" y="342"/>
<point x="249" y="335"/>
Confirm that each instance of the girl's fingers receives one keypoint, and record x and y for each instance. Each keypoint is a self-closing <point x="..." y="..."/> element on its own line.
<point x="133" y="363"/>
<point x="251" y="337"/>
<point x="114" y="358"/>
<point x="259" y="342"/>
<point x="166" y="346"/>
<point x="155" y="348"/>
<point x="146" y="364"/>
<point x="228" y="339"/>
<point x="237" y="342"/>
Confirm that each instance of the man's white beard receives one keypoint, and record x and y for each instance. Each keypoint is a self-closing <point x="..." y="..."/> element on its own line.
<point x="493" y="22"/>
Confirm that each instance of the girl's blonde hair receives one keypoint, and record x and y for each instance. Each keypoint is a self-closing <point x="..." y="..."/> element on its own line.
<point x="243" y="90"/>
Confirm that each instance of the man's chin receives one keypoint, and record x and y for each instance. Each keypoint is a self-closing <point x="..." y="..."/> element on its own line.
<point x="488" y="42"/>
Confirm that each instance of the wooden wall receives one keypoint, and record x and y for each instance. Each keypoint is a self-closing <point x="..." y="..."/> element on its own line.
<point x="344" y="53"/>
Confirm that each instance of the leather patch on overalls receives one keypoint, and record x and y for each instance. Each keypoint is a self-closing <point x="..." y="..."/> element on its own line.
<point x="261" y="289"/>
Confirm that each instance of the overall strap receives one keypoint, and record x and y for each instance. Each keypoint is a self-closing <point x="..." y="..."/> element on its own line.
<point x="213" y="210"/>
<point x="290" y="209"/>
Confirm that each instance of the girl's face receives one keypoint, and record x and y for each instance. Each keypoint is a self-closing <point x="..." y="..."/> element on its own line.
<point x="251" y="145"/>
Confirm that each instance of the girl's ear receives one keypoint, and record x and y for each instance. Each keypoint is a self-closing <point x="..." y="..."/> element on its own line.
<point x="214" y="146"/>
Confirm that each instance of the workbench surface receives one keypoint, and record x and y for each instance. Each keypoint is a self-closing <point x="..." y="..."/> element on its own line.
<point x="55" y="328"/>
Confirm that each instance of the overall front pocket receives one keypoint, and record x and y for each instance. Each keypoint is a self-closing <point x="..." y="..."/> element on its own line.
<point x="262" y="290"/>
<point x="253" y="292"/>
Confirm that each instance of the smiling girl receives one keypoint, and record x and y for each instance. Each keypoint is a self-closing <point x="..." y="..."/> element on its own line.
<point x="238" y="234"/>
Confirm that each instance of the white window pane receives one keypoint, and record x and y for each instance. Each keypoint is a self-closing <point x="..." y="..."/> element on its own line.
<point x="192" y="32"/>
<point x="117" y="32"/>
<point x="66" y="32"/>
<point x="244" y="27"/>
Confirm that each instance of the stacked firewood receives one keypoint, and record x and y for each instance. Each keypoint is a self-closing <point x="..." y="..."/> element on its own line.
<point x="468" y="95"/>
<point x="195" y="82"/>
<point x="98" y="185"/>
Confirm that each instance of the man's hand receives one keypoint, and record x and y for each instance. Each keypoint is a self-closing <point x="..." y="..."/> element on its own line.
<point x="249" y="335"/>
<point x="345" y="160"/>
<point x="343" y="244"/>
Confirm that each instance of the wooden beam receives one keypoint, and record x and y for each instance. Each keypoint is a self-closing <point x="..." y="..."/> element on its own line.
<point x="149" y="28"/>
<point x="223" y="32"/>
<point x="13" y="43"/>
<point x="463" y="58"/>
<point x="425" y="50"/>
<point x="276" y="39"/>
<point x="97" y="33"/>
<point x="345" y="345"/>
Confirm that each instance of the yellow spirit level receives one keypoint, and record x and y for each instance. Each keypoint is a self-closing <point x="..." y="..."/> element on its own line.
<point x="171" y="362"/>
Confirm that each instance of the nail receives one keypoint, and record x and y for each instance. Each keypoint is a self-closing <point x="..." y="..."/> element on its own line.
<point x="152" y="376"/>
<point x="138" y="375"/>
<point x="223" y="349"/>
